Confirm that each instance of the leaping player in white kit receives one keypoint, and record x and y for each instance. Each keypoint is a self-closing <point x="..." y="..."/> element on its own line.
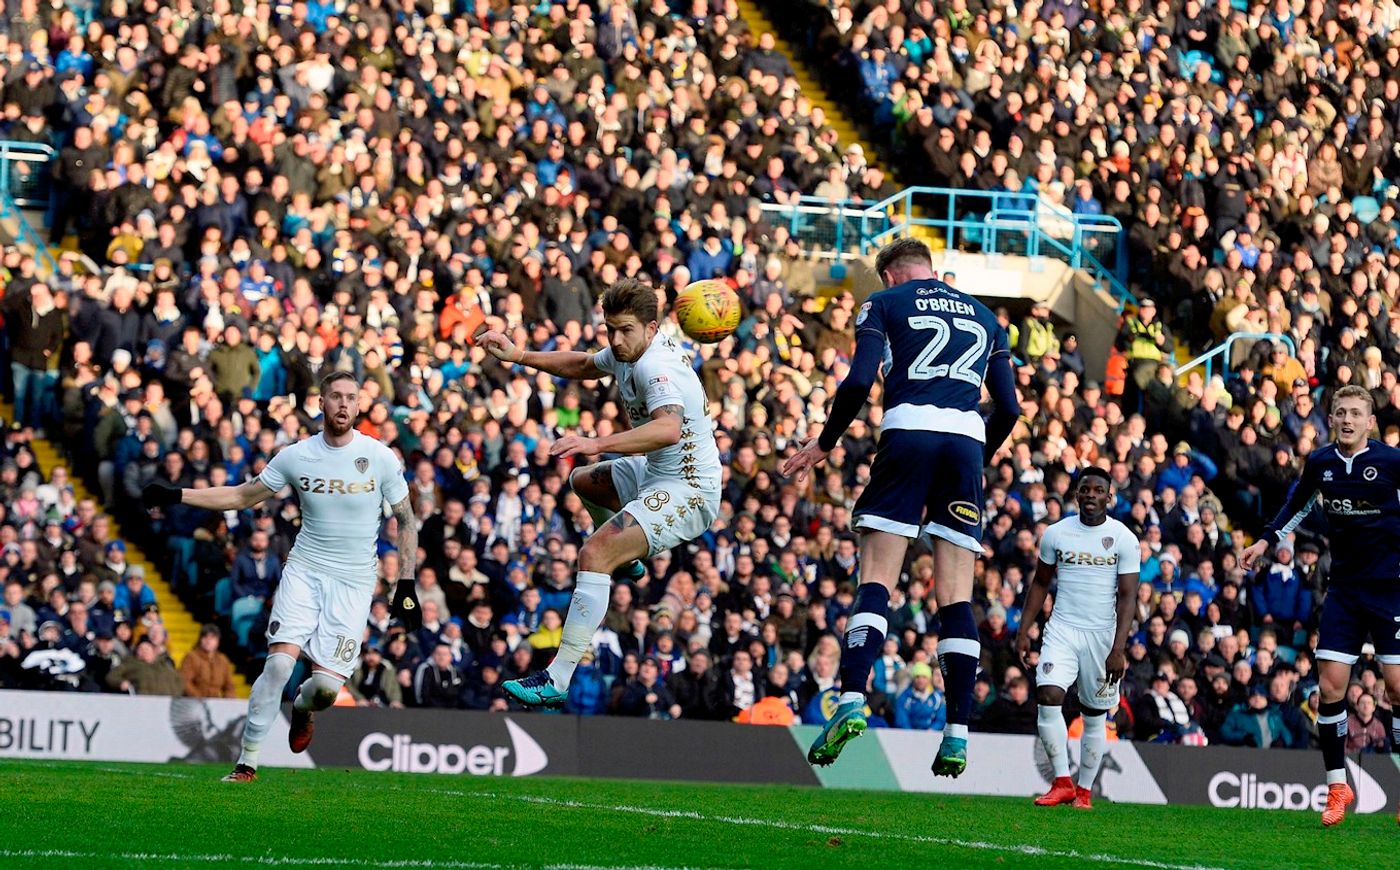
<point x="1096" y="561"/>
<point x="665" y="494"/>
<point x="342" y="479"/>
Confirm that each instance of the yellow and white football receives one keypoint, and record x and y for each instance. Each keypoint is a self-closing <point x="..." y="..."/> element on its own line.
<point x="708" y="311"/>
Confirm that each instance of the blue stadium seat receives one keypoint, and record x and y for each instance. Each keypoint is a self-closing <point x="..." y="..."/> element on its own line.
<point x="241" y="615"/>
<point x="223" y="597"/>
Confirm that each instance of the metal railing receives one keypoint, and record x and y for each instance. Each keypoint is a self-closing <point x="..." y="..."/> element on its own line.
<point x="25" y="233"/>
<point x="1000" y="222"/>
<point x="25" y="173"/>
<point x="1222" y="350"/>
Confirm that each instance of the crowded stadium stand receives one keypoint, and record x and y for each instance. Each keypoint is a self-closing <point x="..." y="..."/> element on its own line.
<point x="1184" y="215"/>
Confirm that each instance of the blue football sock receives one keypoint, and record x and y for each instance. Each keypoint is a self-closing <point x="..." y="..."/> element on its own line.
<point x="865" y="637"/>
<point x="958" y="654"/>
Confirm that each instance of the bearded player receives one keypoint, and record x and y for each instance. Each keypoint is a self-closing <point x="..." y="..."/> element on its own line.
<point x="342" y="479"/>
<point x="937" y="346"/>
<point x="1095" y="560"/>
<point x="1357" y="479"/>
<point x="665" y="492"/>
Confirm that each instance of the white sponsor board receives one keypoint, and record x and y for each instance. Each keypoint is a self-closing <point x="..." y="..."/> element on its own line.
<point x="399" y="753"/>
<point x="92" y="727"/>
<point x="1008" y="765"/>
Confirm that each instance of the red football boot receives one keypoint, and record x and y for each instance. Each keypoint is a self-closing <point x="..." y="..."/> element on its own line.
<point x="1061" y="792"/>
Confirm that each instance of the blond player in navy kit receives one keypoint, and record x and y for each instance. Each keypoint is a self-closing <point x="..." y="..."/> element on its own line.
<point x="664" y="493"/>
<point x="342" y="479"/>
<point x="1094" y="560"/>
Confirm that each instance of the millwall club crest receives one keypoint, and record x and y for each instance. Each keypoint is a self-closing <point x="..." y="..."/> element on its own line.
<point x="1107" y="542"/>
<point x="361" y="464"/>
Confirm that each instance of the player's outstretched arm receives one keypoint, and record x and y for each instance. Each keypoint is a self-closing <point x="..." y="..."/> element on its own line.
<point x="855" y="389"/>
<point x="1298" y="506"/>
<point x="564" y="363"/>
<point x="1001" y="384"/>
<point x="1117" y="664"/>
<point x="662" y="430"/>
<point x="159" y="493"/>
<point x="405" y="603"/>
<point x="1035" y="602"/>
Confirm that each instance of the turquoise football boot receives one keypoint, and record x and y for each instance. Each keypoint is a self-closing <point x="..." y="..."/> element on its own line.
<point x="845" y="725"/>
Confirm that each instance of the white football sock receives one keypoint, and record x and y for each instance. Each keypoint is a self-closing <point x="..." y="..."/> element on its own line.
<point x="590" y="604"/>
<point x="264" y="703"/>
<point x="1093" y="745"/>
<point x="1054" y="736"/>
<point x="318" y="692"/>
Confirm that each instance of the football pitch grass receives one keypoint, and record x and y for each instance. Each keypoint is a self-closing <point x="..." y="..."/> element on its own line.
<point x="60" y="814"/>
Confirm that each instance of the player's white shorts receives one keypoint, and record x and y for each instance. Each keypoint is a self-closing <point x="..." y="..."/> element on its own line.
<point x="324" y="616"/>
<point x="670" y="510"/>
<point x="1067" y="654"/>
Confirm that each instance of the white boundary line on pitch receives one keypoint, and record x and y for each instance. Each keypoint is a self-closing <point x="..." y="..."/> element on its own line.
<point x="691" y="815"/>
<point x="288" y="861"/>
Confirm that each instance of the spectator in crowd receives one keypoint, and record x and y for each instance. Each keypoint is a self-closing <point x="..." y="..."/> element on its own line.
<point x="1013" y="712"/>
<point x="146" y="673"/>
<point x="1159" y="715"/>
<point x="437" y="682"/>
<point x="375" y="681"/>
<point x="256" y="571"/>
<point x="1365" y="731"/>
<point x="588" y="693"/>
<point x="921" y="706"/>
<point x="697" y="688"/>
<point x="207" y="672"/>
<point x="646" y="696"/>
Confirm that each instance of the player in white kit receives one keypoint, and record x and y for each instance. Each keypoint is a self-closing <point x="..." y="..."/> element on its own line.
<point x="342" y="479"/>
<point x="665" y="493"/>
<point x="1095" y="560"/>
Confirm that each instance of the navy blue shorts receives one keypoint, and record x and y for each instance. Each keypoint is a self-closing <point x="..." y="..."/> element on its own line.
<point x="925" y="483"/>
<point x="1353" y="614"/>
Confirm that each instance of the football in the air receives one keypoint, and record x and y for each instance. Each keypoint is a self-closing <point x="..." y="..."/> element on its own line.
<point x="708" y="311"/>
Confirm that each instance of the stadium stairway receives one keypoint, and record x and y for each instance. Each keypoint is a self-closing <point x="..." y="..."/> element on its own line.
<point x="183" y="627"/>
<point x="846" y="132"/>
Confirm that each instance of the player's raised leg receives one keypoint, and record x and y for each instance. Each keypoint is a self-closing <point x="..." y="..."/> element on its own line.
<point x="316" y="693"/>
<point x="594" y="486"/>
<point x="881" y="558"/>
<point x="618" y="542"/>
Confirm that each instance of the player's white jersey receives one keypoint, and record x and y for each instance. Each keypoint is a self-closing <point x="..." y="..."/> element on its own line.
<point x="342" y="491"/>
<point x="1088" y="561"/>
<point x="663" y="376"/>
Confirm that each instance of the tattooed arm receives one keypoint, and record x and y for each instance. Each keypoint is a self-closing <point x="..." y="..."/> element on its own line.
<point x="405" y="601"/>
<point x="662" y="430"/>
<point x="408" y="538"/>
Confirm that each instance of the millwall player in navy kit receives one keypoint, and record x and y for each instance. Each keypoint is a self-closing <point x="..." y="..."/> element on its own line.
<point x="1358" y="481"/>
<point x="936" y="346"/>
